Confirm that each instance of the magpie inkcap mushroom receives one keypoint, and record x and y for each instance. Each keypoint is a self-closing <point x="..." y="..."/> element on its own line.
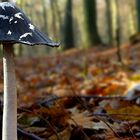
<point x="15" y="27"/>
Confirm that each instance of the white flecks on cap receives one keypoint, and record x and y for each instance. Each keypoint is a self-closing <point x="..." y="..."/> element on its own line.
<point x="32" y="27"/>
<point x="25" y="35"/>
<point x="26" y="42"/>
<point x="4" y="17"/>
<point x="15" y="21"/>
<point x="6" y="4"/>
<point x="9" y="32"/>
<point x="11" y="19"/>
<point x="18" y="15"/>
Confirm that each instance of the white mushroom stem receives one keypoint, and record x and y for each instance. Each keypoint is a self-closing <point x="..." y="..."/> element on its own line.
<point x="9" y="129"/>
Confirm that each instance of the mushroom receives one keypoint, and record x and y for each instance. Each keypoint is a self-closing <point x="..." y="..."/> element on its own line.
<point x="15" y="27"/>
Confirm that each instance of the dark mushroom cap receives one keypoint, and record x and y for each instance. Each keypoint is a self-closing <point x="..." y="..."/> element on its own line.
<point x="15" y="27"/>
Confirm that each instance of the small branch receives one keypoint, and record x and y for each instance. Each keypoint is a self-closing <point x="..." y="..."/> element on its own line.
<point x="46" y="101"/>
<point x="81" y="129"/>
<point x="107" y="115"/>
<point x="82" y="96"/>
<point x="131" y="131"/>
<point x="23" y="133"/>
<point x="115" y="133"/>
<point x="101" y="97"/>
<point x="51" y="126"/>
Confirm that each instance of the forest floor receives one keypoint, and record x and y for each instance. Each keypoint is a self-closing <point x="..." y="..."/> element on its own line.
<point x="80" y="94"/>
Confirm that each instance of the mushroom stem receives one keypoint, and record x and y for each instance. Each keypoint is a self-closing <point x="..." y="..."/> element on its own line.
<point x="9" y="131"/>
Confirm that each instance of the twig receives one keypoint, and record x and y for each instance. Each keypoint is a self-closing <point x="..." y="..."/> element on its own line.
<point x="131" y="131"/>
<point x="28" y="135"/>
<point x="52" y="127"/>
<point x="124" y="114"/>
<point x="25" y="110"/>
<point x="102" y="97"/>
<point x="115" y="133"/>
<point x="81" y="129"/>
<point x="86" y="97"/>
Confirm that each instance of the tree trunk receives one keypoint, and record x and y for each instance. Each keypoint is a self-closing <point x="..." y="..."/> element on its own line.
<point x="118" y="34"/>
<point x="54" y="28"/>
<point x="44" y="16"/>
<point x="109" y="21"/>
<point x="91" y="22"/>
<point x="132" y="17"/>
<point x="9" y="131"/>
<point x="138" y="14"/>
<point x="58" y="14"/>
<point x="68" y="26"/>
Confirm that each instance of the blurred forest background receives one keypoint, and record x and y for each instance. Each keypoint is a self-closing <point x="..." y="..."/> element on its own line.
<point x="91" y="91"/>
<point x="82" y="23"/>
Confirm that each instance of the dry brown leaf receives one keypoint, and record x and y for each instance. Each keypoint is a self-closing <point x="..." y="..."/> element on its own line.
<point x="81" y="119"/>
<point x="57" y="115"/>
<point x="63" y="135"/>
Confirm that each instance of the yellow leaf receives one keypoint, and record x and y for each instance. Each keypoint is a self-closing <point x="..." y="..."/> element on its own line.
<point x="126" y="113"/>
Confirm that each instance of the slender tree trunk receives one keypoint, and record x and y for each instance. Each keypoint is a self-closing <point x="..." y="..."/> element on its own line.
<point x="91" y="22"/>
<point x="58" y="14"/>
<point x="118" y="34"/>
<point x="109" y="21"/>
<point x="1" y="51"/>
<point x="54" y="28"/>
<point x="132" y="17"/>
<point x="9" y="131"/>
<point x="68" y="26"/>
<point x="114" y="20"/>
<point x="44" y="16"/>
<point x="138" y="14"/>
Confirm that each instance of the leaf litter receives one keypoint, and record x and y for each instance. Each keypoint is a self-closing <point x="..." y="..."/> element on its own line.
<point x="79" y="95"/>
